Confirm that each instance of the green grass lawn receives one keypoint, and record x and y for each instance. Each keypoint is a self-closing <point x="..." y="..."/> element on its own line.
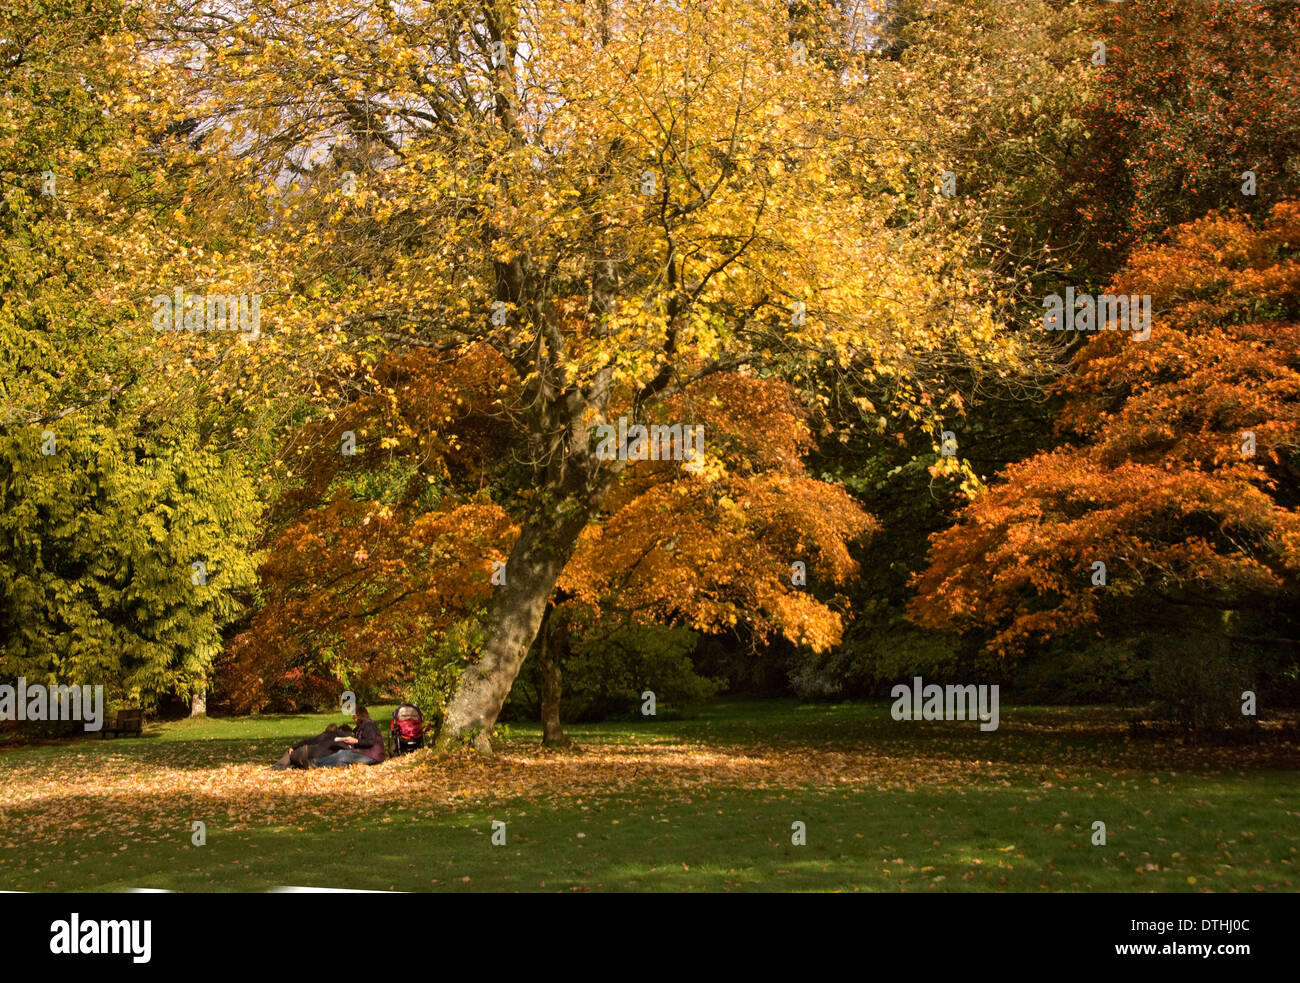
<point x="704" y="802"/>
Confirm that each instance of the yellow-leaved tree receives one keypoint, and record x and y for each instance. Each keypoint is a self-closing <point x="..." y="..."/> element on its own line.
<point x="623" y="199"/>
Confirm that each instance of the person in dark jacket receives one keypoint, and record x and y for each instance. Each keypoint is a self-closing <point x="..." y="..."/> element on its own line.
<point x="366" y="748"/>
<point x="300" y="755"/>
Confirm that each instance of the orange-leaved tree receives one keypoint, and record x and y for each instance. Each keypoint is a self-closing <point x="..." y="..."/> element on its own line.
<point x="381" y="551"/>
<point x="1174" y="504"/>
<point x="733" y="544"/>
<point x="383" y="542"/>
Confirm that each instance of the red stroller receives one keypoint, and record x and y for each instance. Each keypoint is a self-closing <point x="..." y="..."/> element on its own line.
<point x="407" y="729"/>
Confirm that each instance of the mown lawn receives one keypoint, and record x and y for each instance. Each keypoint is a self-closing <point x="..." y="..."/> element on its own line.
<point x="705" y="802"/>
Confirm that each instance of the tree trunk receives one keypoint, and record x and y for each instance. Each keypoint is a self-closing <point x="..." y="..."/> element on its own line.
<point x="199" y="702"/>
<point x="565" y="474"/>
<point x="513" y="616"/>
<point x="550" y="649"/>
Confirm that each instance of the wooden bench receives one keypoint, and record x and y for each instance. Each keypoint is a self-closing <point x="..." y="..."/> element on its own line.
<point x="127" y="722"/>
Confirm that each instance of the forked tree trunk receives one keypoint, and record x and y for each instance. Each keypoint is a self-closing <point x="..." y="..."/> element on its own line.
<point x="550" y="651"/>
<point x="199" y="702"/>
<point x="513" y="616"/>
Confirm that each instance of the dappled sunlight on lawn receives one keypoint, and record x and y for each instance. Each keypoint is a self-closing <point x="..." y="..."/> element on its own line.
<point x="76" y="812"/>
<point x="71" y="793"/>
<point x="151" y="786"/>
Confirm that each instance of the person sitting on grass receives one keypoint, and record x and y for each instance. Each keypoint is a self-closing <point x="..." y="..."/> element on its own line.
<point x="367" y="747"/>
<point x="300" y="755"/>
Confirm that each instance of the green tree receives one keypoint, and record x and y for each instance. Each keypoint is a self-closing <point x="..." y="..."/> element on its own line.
<point x="113" y="478"/>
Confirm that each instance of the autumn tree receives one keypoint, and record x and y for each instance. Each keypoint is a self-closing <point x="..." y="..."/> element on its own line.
<point x="753" y="543"/>
<point x="385" y="549"/>
<point x="623" y="200"/>
<point x="1172" y="505"/>
<point x="388" y="537"/>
